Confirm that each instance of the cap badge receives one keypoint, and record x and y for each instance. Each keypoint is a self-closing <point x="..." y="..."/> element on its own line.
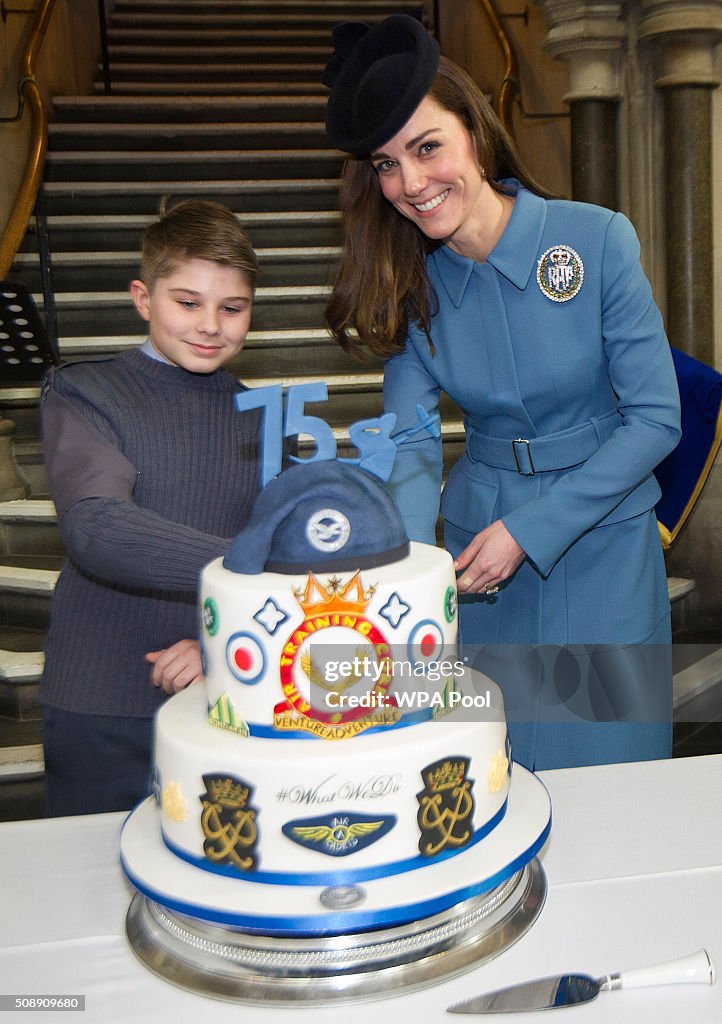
<point x="328" y="530"/>
<point x="560" y="273"/>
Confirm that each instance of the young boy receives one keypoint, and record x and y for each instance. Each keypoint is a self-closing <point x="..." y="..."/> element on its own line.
<point x="153" y="471"/>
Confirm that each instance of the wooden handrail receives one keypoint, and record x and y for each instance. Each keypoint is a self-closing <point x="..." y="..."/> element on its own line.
<point x="510" y="83"/>
<point x="30" y="93"/>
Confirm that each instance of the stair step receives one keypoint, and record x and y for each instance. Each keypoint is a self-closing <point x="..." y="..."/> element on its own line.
<point x="176" y="165"/>
<point x="27" y="511"/>
<point x="343" y="9"/>
<point x="78" y="299"/>
<point x="21" y="667"/>
<point x="679" y="588"/>
<point x="21" y="762"/>
<point x="29" y="527"/>
<point x="114" y="269"/>
<point x="300" y="253"/>
<point x="99" y="197"/>
<point x="698" y="678"/>
<point x="201" y="33"/>
<point x="235" y="55"/>
<point x="28" y="580"/>
<point x="312" y="20"/>
<point x="202" y="73"/>
<point x="154" y="137"/>
<point x="124" y="231"/>
<point x="180" y="110"/>
<point x="132" y="86"/>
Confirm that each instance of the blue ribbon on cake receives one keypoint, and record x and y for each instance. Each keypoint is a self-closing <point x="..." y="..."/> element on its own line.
<point x="352" y="876"/>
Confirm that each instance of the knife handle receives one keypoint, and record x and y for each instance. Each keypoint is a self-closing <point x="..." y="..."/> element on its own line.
<point x="695" y="969"/>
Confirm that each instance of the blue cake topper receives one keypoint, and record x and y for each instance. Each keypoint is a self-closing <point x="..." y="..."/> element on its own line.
<point x="372" y="437"/>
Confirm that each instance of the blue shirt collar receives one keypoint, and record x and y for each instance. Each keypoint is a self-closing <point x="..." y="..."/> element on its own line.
<point x="147" y="349"/>
<point x="514" y="256"/>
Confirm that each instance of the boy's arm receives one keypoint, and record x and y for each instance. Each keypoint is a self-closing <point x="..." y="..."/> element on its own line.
<point x="105" y="533"/>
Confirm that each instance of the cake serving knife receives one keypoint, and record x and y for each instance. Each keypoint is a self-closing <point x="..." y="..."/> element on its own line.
<point x="572" y="989"/>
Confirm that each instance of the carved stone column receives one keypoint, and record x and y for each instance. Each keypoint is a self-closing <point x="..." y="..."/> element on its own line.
<point x="686" y="33"/>
<point x="589" y="36"/>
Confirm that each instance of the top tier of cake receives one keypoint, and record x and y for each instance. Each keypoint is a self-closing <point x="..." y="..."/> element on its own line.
<point x="330" y="654"/>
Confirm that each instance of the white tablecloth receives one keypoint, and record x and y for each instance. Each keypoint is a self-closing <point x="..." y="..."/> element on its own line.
<point x="634" y="866"/>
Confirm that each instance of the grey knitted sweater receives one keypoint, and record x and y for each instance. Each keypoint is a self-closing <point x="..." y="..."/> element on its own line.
<point x="153" y="472"/>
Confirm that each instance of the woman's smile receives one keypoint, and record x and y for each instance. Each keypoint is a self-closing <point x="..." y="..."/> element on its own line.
<point x="431" y="204"/>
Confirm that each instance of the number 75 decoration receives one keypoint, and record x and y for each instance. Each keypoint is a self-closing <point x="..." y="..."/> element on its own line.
<point x="371" y="437"/>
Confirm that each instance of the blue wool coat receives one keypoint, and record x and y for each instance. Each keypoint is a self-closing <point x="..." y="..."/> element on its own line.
<point x="585" y="387"/>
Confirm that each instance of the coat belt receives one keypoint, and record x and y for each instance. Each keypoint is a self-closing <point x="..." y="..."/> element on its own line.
<point x="528" y="456"/>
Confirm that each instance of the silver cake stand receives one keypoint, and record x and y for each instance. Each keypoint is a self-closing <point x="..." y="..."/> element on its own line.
<point x="227" y="963"/>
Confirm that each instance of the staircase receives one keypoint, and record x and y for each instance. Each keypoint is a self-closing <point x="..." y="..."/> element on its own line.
<point x="217" y="99"/>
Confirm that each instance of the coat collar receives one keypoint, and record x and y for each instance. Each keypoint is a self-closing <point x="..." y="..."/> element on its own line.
<point x="514" y="256"/>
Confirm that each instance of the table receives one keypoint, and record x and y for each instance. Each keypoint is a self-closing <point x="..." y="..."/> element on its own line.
<point x="634" y="866"/>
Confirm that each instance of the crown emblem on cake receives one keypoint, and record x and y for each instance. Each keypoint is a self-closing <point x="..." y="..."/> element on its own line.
<point x="445" y="775"/>
<point x="226" y="791"/>
<point x="318" y="598"/>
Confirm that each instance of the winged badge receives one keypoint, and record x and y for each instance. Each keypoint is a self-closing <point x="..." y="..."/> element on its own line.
<point x="338" y="833"/>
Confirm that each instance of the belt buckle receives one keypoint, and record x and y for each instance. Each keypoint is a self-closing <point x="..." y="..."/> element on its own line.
<point x="520" y="471"/>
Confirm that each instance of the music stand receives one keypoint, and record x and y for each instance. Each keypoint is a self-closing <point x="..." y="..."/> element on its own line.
<point x="26" y="352"/>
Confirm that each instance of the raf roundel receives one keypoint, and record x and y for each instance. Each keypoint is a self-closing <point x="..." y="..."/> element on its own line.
<point x="246" y="658"/>
<point x="426" y="643"/>
<point x="328" y="530"/>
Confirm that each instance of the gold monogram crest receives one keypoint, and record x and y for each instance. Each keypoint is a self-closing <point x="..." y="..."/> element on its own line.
<point x="446" y="806"/>
<point x="228" y="822"/>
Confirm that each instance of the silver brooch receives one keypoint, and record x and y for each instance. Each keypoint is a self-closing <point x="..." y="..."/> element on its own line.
<point x="560" y="273"/>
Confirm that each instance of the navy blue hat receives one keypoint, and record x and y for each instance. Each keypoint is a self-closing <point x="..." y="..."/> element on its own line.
<point x="378" y="77"/>
<point x="318" y="517"/>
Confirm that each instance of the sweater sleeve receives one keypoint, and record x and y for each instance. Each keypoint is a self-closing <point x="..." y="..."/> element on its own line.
<point x="642" y="375"/>
<point x="104" y="531"/>
<point x="118" y="542"/>
<point x="416" y="478"/>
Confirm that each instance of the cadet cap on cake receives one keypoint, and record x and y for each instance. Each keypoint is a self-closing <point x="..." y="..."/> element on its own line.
<point x="318" y="517"/>
<point x="378" y="77"/>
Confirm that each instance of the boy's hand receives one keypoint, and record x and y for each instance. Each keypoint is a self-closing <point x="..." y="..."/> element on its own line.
<point x="176" y="667"/>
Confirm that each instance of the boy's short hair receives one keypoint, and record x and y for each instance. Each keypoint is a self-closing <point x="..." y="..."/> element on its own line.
<point x="196" y="229"/>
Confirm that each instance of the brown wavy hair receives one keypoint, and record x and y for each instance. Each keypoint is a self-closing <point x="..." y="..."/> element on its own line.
<point x="381" y="285"/>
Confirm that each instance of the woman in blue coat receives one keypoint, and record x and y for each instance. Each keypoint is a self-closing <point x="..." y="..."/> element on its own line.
<point x="534" y="315"/>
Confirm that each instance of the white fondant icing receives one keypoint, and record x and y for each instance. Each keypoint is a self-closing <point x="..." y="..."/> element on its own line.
<point x="377" y="774"/>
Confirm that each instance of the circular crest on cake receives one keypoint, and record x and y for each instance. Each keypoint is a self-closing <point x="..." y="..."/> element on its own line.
<point x="320" y="516"/>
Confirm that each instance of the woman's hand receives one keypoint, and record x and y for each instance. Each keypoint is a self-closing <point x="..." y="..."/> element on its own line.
<point x="492" y="557"/>
<point x="176" y="667"/>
